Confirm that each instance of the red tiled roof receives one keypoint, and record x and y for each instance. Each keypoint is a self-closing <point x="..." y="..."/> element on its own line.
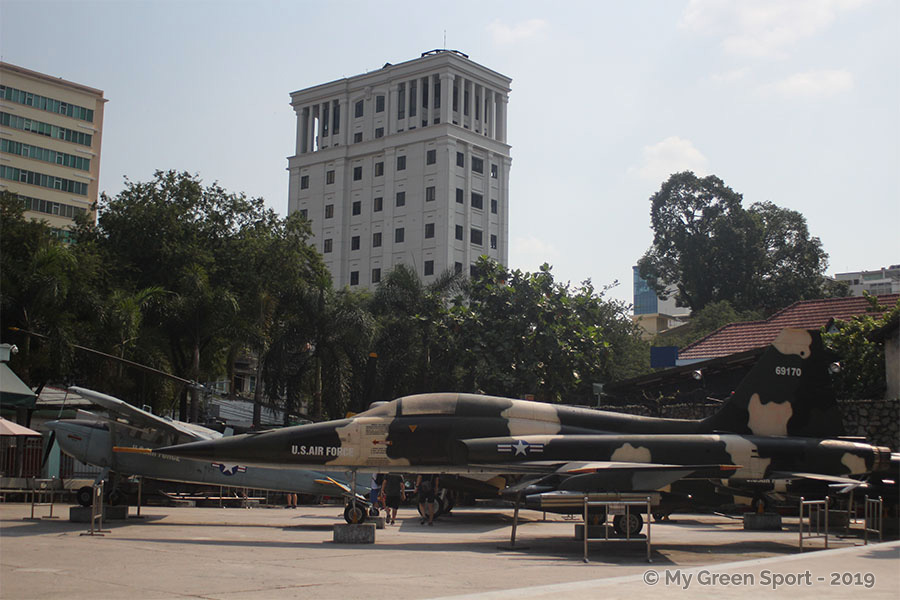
<point x="749" y="335"/>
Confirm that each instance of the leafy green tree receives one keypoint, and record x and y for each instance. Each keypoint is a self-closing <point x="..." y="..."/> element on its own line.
<point x="713" y="249"/>
<point x="525" y="334"/>
<point x="175" y="233"/>
<point x="44" y="289"/>
<point x="862" y="374"/>
<point x="408" y="315"/>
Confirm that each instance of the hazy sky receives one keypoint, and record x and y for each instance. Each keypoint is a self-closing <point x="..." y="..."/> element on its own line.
<point x="795" y="102"/>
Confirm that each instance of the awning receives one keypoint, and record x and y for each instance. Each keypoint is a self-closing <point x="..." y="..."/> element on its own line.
<point x="7" y="427"/>
<point x="13" y="391"/>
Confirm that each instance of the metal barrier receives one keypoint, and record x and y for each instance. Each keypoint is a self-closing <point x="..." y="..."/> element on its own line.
<point x="874" y="518"/>
<point x="607" y="504"/>
<point x="810" y="508"/>
<point x="40" y="489"/>
<point x="97" y="512"/>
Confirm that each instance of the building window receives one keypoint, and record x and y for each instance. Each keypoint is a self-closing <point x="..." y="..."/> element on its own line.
<point x="477" y="200"/>
<point x="329" y="176"/>
<point x="494" y="171"/>
<point x="377" y="204"/>
<point x="379" y="132"/>
<point x="304" y="213"/>
<point x="429" y="267"/>
<point x="357" y="173"/>
<point x="401" y="101"/>
<point x="358" y="109"/>
<point x="494" y="206"/>
<point x="429" y="230"/>
<point x="356" y="207"/>
<point x="399" y="234"/>
<point x="379" y="104"/>
<point x="376" y="275"/>
<point x="376" y="239"/>
<point x="460" y="159"/>
<point x="475" y="236"/>
<point x="329" y="211"/>
<point x="401" y="163"/>
<point x="459" y="232"/>
<point x="477" y="165"/>
<point x="379" y="169"/>
<point x="430" y="193"/>
<point x="354" y="242"/>
<point x="457" y="268"/>
<point x="431" y="157"/>
<point x="357" y="137"/>
<point x="401" y="198"/>
<point x="326" y="247"/>
<point x="460" y="194"/>
<point x="354" y="277"/>
<point x="304" y="182"/>
<point x="493" y="242"/>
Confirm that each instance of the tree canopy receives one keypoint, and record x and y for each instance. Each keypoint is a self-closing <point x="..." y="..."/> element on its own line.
<point x="712" y="249"/>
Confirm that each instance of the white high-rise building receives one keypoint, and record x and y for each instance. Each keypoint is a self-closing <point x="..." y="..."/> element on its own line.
<point x="407" y="164"/>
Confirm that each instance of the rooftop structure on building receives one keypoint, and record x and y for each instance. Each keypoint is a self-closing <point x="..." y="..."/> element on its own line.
<point x="653" y="314"/>
<point x="879" y="281"/>
<point x="751" y="335"/>
<point x="407" y="164"/>
<point x="50" y="144"/>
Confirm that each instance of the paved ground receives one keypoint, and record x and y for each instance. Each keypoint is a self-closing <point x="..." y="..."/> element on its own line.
<point x="225" y="554"/>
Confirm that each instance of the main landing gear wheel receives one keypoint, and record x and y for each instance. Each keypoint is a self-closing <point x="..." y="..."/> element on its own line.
<point x="438" y="509"/>
<point x="354" y="513"/>
<point x="634" y="524"/>
<point x="85" y="495"/>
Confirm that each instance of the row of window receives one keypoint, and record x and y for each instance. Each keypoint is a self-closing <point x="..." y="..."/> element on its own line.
<point x="476" y="237"/>
<point x="430" y="159"/>
<point x="46" y="129"/>
<point x="428" y="269"/>
<point x="400" y="201"/>
<point x="48" y="104"/>
<point x="46" y="155"/>
<point x="51" y="208"/>
<point x="42" y="180"/>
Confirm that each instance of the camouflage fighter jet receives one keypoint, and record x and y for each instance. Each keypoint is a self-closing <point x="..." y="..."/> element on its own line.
<point x="781" y="424"/>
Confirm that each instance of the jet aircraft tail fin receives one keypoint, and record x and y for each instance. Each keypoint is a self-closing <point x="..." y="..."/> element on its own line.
<point x="788" y="392"/>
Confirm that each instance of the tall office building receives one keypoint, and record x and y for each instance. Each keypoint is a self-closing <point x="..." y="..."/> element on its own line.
<point x="408" y="164"/>
<point x="50" y="133"/>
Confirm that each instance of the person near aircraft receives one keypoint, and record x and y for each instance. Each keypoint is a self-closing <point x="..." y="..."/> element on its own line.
<point x="291" y="501"/>
<point x="393" y="491"/>
<point x="426" y="488"/>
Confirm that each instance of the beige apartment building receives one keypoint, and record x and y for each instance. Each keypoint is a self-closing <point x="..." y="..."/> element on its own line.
<point x="50" y="134"/>
<point x="406" y="164"/>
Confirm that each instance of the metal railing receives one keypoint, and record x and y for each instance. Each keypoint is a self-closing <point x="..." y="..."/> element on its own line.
<point x="808" y="509"/>
<point x="616" y="505"/>
<point x="874" y="518"/>
<point x="39" y="490"/>
<point x="96" y="512"/>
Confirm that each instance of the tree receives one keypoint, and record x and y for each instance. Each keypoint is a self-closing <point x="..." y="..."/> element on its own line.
<point x="712" y="249"/>
<point x="192" y="241"/>
<point x="862" y="374"/>
<point x="523" y="333"/>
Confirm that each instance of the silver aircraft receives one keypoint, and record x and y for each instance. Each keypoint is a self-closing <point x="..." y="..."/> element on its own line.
<point x="118" y="444"/>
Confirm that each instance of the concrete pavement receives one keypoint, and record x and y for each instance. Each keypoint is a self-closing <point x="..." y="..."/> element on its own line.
<point x="178" y="553"/>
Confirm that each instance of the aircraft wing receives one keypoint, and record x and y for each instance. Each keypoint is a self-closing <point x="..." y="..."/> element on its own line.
<point x="612" y="476"/>
<point x="147" y="420"/>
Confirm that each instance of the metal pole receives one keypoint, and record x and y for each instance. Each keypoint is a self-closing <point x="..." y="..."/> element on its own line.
<point x="586" y="526"/>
